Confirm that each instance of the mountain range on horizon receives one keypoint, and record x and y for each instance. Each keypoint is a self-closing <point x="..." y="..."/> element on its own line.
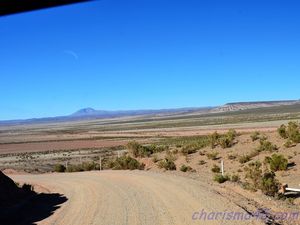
<point x="91" y="113"/>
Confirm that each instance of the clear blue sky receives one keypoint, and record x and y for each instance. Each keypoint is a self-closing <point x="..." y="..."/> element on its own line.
<point x="148" y="54"/>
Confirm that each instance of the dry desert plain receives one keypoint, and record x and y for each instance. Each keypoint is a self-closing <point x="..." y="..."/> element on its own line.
<point x="154" y="195"/>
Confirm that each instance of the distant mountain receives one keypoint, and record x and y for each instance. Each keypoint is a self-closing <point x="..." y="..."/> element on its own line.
<point x="229" y="107"/>
<point x="90" y="113"/>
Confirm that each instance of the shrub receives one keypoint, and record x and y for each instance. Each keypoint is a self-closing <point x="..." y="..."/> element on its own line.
<point x="269" y="184"/>
<point x="232" y="157"/>
<point x="293" y="132"/>
<point x="255" y="136"/>
<point x="167" y="164"/>
<point x="244" y="159"/>
<point x="133" y="148"/>
<point x="127" y="163"/>
<point x="187" y="150"/>
<point x="212" y="155"/>
<point x="202" y="153"/>
<point x="266" y="182"/>
<point x="88" y="166"/>
<point x="232" y="134"/>
<point x="235" y="178"/>
<point x="216" y="169"/>
<point x="74" y="168"/>
<point x="59" y="168"/>
<point x="221" y="179"/>
<point x="185" y="168"/>
<point x="266" y="145"/>
<point x="282" y="131"/>
<point x="277" y="162"/>
<point x="201" y="162"/>
<point x="137" y="150"/>
<point x="254" y="174"/>
<point x="214" y="139"/>
<point x="225" y="142"/>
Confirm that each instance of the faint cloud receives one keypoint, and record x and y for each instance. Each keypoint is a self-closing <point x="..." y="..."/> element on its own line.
<point x="71" y="53"/>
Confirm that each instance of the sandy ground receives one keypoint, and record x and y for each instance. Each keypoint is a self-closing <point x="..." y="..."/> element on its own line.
<point x="47" y="145"/>
<point x="59" y="145"/>
<point x="131" y="197"/>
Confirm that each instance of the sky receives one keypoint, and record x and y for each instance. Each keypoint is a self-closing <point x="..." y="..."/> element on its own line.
<point x="148" y="54"/>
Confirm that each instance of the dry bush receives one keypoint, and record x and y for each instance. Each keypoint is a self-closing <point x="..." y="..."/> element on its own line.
<point x="244" y="159"/>
<point x="235" y="178"/>
<point x="212" y="155"/>
<point x="126" y="163"/>
<point x="255" y="136"/>
<point x="221" y="179"/>
<point x="216" y="169"/>
<point x="201" y="162"/>
<point x="266" y="182"/>
<point x="185" y="168"/>
<point x="277" y="162"/>
<point x="167" y="165"/>
<point x="290" y="132"/>
<point x="59" y="168"/>
<point x="265" y="145"/>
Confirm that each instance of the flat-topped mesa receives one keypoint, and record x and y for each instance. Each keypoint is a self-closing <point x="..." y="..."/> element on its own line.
<point x="237" y="106"/>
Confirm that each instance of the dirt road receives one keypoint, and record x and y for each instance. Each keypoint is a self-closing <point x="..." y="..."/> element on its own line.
<point x="133" y="198"/>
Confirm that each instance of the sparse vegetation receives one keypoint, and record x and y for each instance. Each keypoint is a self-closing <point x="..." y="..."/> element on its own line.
<point x="212" y="155"/>
<point x="188" y="150"/>
<point x="225" y="141"/>
<point x="266" y="182"/>
<point x="277" y="162"/>
<point x="137" y="150"/>
<point x="125" y="163"/>
<point x="266" y="145"/>
<point x="269" y="184"/>
<point x="214" y="139"/>
<point x="244" y="159"/>
<point x="282" y="131"/>
<point x="255" y="136"/>
<point x="216" y="169"/>
<point x="193" y="143"/>
<point x="254" y="174"/>
<point x="202" y="162"/>
<point x="232" y="157"/>
<point x="167" y="164"/>
<point x="185" y="168"/>
<point x="221" y="179"/>
<point x="290" y="132"/>
<point x="235" y="178"/>
<point x="59" y="168"/>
